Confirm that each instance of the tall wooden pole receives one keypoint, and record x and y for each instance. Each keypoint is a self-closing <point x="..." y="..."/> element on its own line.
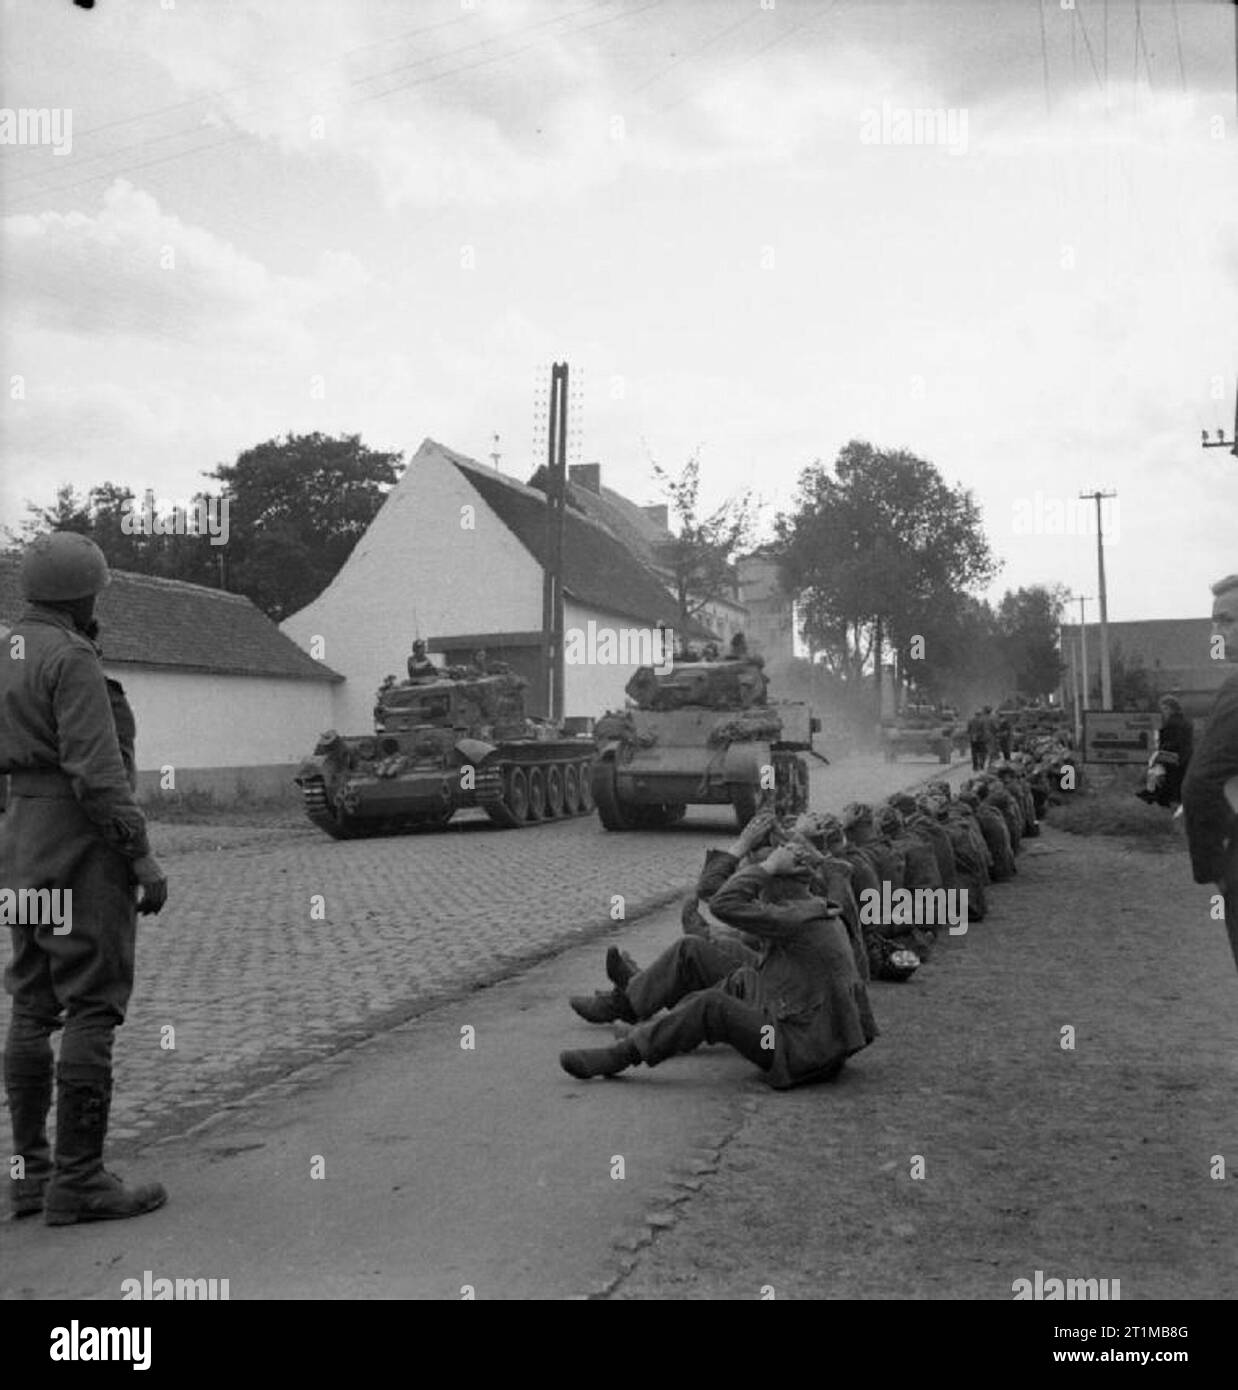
<point x="552" y="568"/>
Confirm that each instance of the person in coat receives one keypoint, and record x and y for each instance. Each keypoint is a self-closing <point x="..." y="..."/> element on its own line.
<point x="74" y="828"/>
<point x="1174" y="747"/>
<point x="798" y="1010"/>
<point x="1210" y="791"/>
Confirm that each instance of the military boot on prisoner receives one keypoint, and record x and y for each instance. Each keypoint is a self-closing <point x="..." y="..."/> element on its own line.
<point x="587" y="1062"/>
<point x="80" y="1188"/>
<point x="606" y="1006"/>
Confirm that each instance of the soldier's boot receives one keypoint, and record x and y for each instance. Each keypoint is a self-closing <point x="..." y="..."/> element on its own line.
<point x="605" y="1006"/>
<point x="585" y="1063"/>
<point x="28" y="1085"/>
<point x="620" y="967"/>
<point x="80" y="1188"/>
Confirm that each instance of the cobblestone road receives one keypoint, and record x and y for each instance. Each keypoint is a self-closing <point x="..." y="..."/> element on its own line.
<point x="252" y="982"/>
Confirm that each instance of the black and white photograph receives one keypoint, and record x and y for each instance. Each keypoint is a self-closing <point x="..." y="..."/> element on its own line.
<point x="619" y="666"/>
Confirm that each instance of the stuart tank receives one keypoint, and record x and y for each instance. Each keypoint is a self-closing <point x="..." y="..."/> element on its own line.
<point x="443" y="742"/>
<point x="703" y="733"/>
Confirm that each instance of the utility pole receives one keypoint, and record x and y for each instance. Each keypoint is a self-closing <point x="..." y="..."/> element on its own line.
<point x="1106" y="684"/>
<point x="1083" y="642"/>
<point x="552" y="573"/>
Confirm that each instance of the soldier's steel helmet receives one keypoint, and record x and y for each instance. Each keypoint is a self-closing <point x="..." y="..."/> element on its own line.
<point x="62" y="566"/>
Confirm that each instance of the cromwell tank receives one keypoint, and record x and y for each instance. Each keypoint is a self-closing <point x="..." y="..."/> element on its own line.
<point x="440" y="744"/>
<point x="701" y="734"/>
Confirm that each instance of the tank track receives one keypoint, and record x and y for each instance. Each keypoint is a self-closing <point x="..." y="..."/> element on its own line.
<point x="517" y="802"/>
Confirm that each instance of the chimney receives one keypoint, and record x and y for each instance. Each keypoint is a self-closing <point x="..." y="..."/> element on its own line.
<point x="659" y="514"/>
<point x="587" y="476"/>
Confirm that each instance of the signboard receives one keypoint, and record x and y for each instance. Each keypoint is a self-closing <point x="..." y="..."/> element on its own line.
<point x="1119" y="736"/>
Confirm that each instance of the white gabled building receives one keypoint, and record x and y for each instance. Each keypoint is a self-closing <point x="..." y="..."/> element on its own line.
<point x="454" y="555"/>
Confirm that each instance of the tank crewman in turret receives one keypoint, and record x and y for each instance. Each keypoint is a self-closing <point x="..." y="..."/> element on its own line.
<point x="419" y="664"/>
<point x="72" y="827"/>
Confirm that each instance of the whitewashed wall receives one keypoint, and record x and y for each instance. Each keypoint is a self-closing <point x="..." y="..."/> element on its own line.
<point x="398" y="583"/>
<point x="211" y="728"/>
<point x="591" y="689"/>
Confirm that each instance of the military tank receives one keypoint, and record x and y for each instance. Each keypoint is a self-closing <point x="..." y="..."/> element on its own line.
<point x="921" y="731"/>
<point x="440" y="744"/>
<point x="700" y="734"/>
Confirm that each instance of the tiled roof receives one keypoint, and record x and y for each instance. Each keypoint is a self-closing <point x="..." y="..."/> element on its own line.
<point x="635" y="528"/>
<point x="165" y="623"/>
<point x="598" y="570"/>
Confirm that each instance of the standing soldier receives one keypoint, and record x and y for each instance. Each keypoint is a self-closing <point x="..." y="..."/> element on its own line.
<point x="72" y="827"/>
<point x="977" y="736"/>
<point x="1208" y="803"/>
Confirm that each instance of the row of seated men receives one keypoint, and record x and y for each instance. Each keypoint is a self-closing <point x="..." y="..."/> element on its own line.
<point x="789" y="924"/>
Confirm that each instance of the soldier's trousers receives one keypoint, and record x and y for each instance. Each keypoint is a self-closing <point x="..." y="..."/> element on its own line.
<point x="979" y="752"/>
<point x="692" y="963"/>
<point x="80" y="979"/>
<point x="708" y="988"/>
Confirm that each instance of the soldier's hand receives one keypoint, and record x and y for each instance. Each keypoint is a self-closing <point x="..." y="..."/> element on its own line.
<point x="782" y="860"/>
<point x="758" y="829"/>
<point x="153" y="883"/>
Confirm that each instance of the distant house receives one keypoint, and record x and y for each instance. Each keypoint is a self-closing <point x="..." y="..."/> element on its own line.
<point x="1175" y="652"/>
<point x="455" y="556"/>
<point x="220" y="695"/>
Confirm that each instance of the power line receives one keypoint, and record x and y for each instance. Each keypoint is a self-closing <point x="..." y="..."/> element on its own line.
<point x="1087" y="43"/>
<point x="1044" y="55"/>
<point x="236" y="136"/>
<point x="1178" y="45"/>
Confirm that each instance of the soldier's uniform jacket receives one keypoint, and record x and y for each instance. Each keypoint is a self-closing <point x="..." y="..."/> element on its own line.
<point x="59" y="724"/>
<point x="1211" y="825"/>
<point x="937" y="837"/>
<point x="919" y="863"/>
<point x="807" y="981"/>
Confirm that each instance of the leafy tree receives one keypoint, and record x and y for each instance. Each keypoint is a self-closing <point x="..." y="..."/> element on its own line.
<point x="296" y="508"/>
<point x="1029" y="619"/>
<point x="878" y="551"/>
<point x="701" y="555"/>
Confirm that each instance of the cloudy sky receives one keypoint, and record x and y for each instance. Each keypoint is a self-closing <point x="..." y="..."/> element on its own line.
<point x="389" y="218"/>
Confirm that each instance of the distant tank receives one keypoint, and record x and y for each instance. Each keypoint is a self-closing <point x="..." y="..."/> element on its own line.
<point x="442" y="743"/>
<point x="920" y="731"/>
<point x="701" y="734"/>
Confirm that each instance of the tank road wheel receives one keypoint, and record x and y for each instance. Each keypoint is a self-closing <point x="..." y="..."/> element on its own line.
<point x="571" y="789"/>
<point x="537" y="794"/>
<point x="744" y="800"/>
<point x="555" y="792"/>
<point x="587" y="803"/>
<point x="517" y="797"/>
<point x="605" y="791"/>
